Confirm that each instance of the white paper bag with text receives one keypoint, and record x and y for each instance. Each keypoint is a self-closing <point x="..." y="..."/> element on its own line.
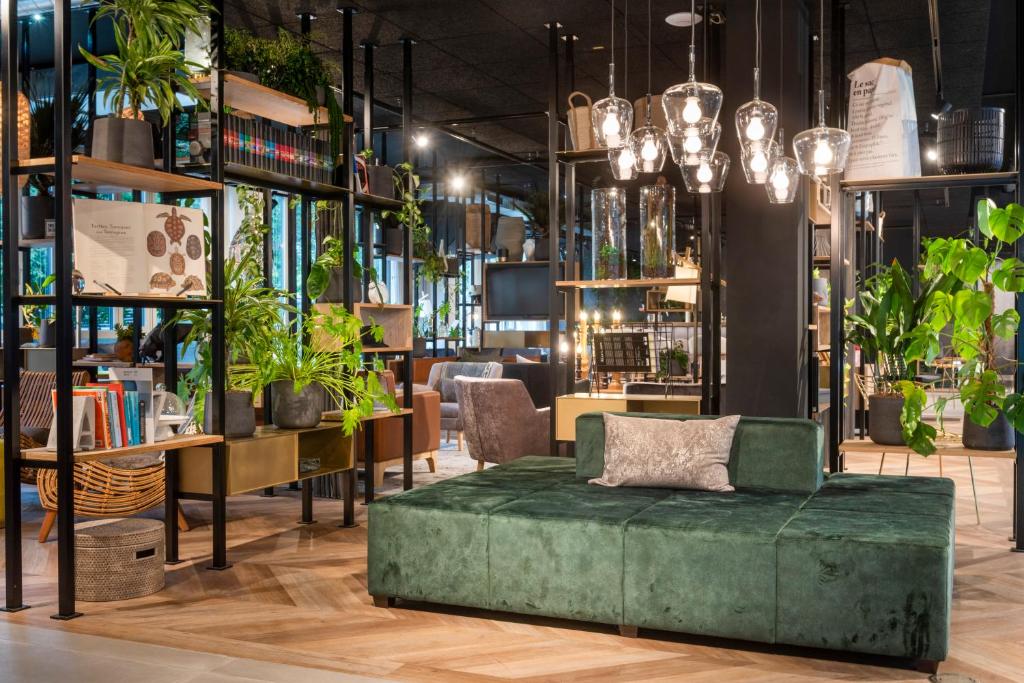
<point x="883" y="122"/>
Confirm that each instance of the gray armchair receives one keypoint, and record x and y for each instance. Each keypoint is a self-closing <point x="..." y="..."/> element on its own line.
<point x="442" y="380"/>
<point x="500" y="421"/>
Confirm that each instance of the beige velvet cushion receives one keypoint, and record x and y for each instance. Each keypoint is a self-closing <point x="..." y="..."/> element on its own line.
<point x="678" y="454"/>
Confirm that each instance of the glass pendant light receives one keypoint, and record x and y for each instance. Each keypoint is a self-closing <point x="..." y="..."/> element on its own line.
<point x="649" y="144"/>
<point x="783" y="177"/>
<point x="756" y="120"/>
<point x="623" y="163"/>
<point x="783" y="173"/>
<point x="612" y="117"/>
<point x="688" y="104"/>
<point x="701" y="136"/>
<point x="821" y="151"/>
<point x="708" y="175"/>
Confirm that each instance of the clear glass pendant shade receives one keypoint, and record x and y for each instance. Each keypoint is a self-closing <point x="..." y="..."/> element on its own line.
<point x="821" y="151"/>
<point x="708" y="175"/>
<point x="700" y="137"/>
<point x="756" y="120"/>
<point x="756" y="159"/>
<point x="650" y="147"/>
<point x="685" y="104"/>
<point x="623" y="163"/>
<point x="611" y="117"/>
<point x="783" y="180"/>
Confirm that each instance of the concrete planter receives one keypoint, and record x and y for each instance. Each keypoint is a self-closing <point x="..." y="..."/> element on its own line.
<point x="296" y="410"/>
<point x="127" y="141"/>
<point x="998" y="436"/>
<point x="884" y="427"/>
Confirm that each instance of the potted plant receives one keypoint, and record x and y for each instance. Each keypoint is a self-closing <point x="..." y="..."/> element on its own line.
<point x="420" y="331"/>
<point x="251" y="309"/>
<point x="37" y="208"/>
<point x="894" y="328"/>
<point x="300" y="375"/>
<point x="992" y="413"/>
<point x="288" y="64"/>
<point x="379" y="178"/>
<point x="433" y="264"/>
<point x="149" y="68"/>
<point x="674" y="362"/>
<point x="37" y="316"/>
<point x="326" y="280"/>
<point x="124" y="347"/>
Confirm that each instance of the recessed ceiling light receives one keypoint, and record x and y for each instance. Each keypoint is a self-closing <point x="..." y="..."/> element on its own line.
<point x="597" y="47"/>
<point x="683" y="20"/>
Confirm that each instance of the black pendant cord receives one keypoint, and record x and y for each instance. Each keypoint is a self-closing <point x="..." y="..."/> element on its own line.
<point x="613" y="41"/>
<point x="625" y="51"/>
<point x="757" y="39"/>
<point x="649" y="33"/>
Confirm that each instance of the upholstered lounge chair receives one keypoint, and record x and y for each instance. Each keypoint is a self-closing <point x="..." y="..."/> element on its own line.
<point x="500" y="421"/>
<point x="441" y="380"/>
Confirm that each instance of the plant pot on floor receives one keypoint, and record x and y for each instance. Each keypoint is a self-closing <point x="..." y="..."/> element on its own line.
<point x="296" y="410"/>
<point x="335" y="292"/>
<point x="239" y="414"/>
<point x="380" y="181"/>
<point x="47" y="334"/>
<point x="36" y="216"/>
<point x="998" y="436"/>
<point x="884" y="419"/>
<point x="126" y="141"/>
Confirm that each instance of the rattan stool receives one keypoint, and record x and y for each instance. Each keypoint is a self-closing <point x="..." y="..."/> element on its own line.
<point x="118" y="559"/>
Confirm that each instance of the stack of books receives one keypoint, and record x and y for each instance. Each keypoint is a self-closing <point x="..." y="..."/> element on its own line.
<point x="120" y="414"/>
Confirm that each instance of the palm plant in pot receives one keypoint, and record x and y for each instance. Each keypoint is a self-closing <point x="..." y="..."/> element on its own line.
<point x="251" y="310"/>
<point x="992" y="413"/>
<point x="302" y="373"/>
<point x="149" y="68"/>
<point x="893" y="327"/>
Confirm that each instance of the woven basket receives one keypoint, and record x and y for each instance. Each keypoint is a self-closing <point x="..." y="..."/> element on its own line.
<point x="971" y="140"/>
<point x="119" y="559"/>
<point x="581" y="133"/>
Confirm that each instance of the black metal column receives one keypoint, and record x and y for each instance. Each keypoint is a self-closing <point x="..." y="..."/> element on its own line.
<point x="367" y="214"/>
<point x="837" y="353"/>
<point x="554" y="296"/>
<point x="710" y="305"/>
<point x="217" y="246"/>
<point x="570" y="274"/>
<point x="407" y="293"/>
<point x="348" y="209"/>
<point x="1018" y="463"/>
<point x="268" y="281"/>
<point x="11" y="289"/>
<point x="63" y="310"/>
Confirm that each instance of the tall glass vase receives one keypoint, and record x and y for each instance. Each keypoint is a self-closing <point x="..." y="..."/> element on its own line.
<point x="657" y="233"/>
<point x="608" y="208"/>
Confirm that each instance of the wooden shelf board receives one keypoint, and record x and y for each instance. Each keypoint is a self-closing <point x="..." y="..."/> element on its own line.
<point x="931" y="182"/>
<point x="612" y="284"/>
<point x="392" y="307"/>
<point x="173" y="443"/>
<point x="376" y="201"/>
<point x="111" y="176"/>
<point x="944" y="448"/>
<point x="281" y="181"/>
<point x="259" y="100"/>
<point x="387" y="349"/>
<point x="334" y="416"/>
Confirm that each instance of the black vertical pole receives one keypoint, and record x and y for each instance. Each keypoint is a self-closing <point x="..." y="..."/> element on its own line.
<point x="217" y="246"/>
<point x="268" y="281"/>
<point x="90" y="86"/>
<point x="435" y="181"/>
<point x="292" y="245"/>
<point x="915" y="274"/>
<point x="170" y="359"/>
<point x="367" y="214"/>
<point x="407" y="154"/>
<point x="1018" y="463"/>
<point x="707" y="306"/>
<point x="554" y="296"/>
<point x="11" y="288"/>
<point x="25" y="61"/>
<point x="837" y="352"/>
<point x="838" y="56"/>
<point x="569" y="274"/>
<point x="65" y="323"/>
<point x="348" y="209"/>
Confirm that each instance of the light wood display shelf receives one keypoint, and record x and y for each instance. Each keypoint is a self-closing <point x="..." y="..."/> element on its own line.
<point x="110" y="176"/>
<point x="396" y="319"/>
<point x="259" y="100"/>
<point x="571" y="406"/>
<point x="269" y="457"/>
<point x="613" y="284"/>
<point x="930" y="182"/>
<point x="943" y="448"/>
<point x="174" y="443"/>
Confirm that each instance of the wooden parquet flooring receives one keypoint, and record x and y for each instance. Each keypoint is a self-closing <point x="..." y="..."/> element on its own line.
<point x="297" y="595"/>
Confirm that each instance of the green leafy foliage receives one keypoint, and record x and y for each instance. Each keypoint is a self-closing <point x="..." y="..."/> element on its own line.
<point x="407" y="183"/>
<point x="918" y="434"/>
<point x="149" y="65"/>
<point x="35" y="314"/>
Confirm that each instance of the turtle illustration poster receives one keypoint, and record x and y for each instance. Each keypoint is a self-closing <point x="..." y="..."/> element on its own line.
<point x="133" y="248"/>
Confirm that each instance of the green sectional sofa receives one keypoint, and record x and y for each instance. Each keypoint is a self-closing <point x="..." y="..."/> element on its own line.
<point x="855" y="562"/>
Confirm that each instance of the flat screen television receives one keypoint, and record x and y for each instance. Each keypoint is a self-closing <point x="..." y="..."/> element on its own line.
<point x="517" y="291"/>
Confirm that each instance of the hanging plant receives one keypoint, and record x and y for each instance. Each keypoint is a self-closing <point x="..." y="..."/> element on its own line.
<point x="407" y="183"/>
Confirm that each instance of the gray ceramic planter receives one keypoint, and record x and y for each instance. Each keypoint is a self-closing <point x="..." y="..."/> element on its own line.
<point x="296" y="411"/>
<point x="998" y="436"/>
<point x="127" y="141"/>
<point x="35" y="212"/>
<point x="884" y="420"/>
<point x="239" y="415"/>
<point x="47" y="334"/>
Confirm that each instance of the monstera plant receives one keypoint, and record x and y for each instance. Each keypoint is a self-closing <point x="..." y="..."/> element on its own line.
<point x="970" y="321"/>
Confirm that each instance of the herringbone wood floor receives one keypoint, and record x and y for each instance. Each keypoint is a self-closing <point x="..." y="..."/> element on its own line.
<point x="297" y="595"/>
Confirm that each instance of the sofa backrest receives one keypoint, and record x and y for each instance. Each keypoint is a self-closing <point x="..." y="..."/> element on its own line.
<point x="781" y="454"/>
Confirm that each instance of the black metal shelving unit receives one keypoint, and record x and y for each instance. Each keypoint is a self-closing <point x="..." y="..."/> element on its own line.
<point x="64" y="303"/>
